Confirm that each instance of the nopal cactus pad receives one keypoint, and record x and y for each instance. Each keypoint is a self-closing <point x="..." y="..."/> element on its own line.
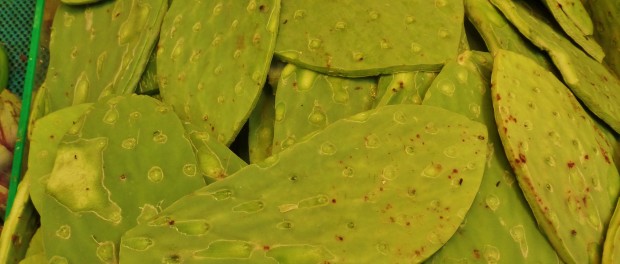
<point x="577" y="24"/>
<point x="100" y="49"/>
<point x="215" y="160"/>
<point x="307" y="101"/>
<point x="499" y="227"/>
<point x="261" y="126"/>
<point x="561" y="161"/>
<point x="101" y="185"/>
<point x="611" y="252"/>
<point x="403" y="87"/>
<point x="213" y="58"/>
<point x="20" y="225"/>
<point x="47" y="134"/>
<point x="498" y="33"/>
<point x="367" y="38"/>
<point x="606" y="17"/>
<point x="383" y="194"/>
<point x="590" y="80"/>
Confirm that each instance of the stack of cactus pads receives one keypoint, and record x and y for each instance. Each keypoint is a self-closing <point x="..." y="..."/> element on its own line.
<point x="324" y="131"/>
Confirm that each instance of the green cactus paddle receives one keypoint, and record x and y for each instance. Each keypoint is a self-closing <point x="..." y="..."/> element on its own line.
<point x="215" y="160"/>
<point x="367" y="38"/>
<point x="498" y="33"/>
<point x="590" y="80"/>
<point x="307" y="101"/>
<point x="611" y="254"/>
<point x="500" y="226"/>
<point x="577" y="24"/>
<point x="261" y="125"/>
<point x="372" y="188"/>
<point x="560" y="158"/>
<point x="403" y="88"/>
<point x="213" y="58"/>
<point x="101" y="185"/>
<point x="606" y="16"/>
<point x="100" y="49"/>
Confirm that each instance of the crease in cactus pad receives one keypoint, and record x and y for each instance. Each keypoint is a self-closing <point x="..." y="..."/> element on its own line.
<point x="320" y="132"/>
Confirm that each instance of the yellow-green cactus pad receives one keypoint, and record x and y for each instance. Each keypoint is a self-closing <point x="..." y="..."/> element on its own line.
<point x="19" y="227"/>
<point x="373" y="188"/>
<point x="260" y="126"/>
<point x="79" y="2"/>
<point x="101" y="185"/>
<point x="367" y="38"/>
<point x="307" y="101"/>
<point x="498" y="33"/>
<point x="561" y="159"/>
<point x="590" y="80"/>
<point x="100" y="49"/>
<point x="213" y="58"/>
<point x="611" y="250"/>
<point x="499" y="227"/>
<point x="577" y="24"/>
<point x="403" y="87"/>
<point x="215" y="160"/>
<point x="606" y="17"/>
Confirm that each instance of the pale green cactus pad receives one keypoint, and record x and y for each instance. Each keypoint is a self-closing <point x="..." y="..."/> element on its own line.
<point x="79" y="2"/>
<point x="215" y="160"/>
<point x="20" y="226"/>
<point x="34" y="259"/>
<point x="39" y="107"/>
<point x="403" y="87"/>
<point x="275" y="71"/>
<point x="498" y="33"/>
<point x="149" y="82"/>
<point x="499" y="227"/>
<point x="384" y="194"/>
<point x="577" y="24"/>
<point x="606" y="17"/>
<point x="261" y="125"/>
<point x="101" y="185"/>
<point x="213" y="59"/>
<point x="367" y="38"/>
<point x="307" y="101"/>
<point x="611" y="251"/>
<point x="100" y="49"/>
<point x="47" y="133"/>
<point x="36" y="244"/>
<point x="590" y="80"/>
<point x="560" y="158"/>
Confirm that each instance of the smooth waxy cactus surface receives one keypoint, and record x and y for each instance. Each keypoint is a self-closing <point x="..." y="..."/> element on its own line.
<point x="307" y="101"/>
<point x="384" y="194"/>
<point x="611" y="254"/>
<point x="606" y="17"/>
<point x="261" y="126"/>
<point x="566" y="174"/>
<point x="498" y="33"/>
<point x="213" y="58"/>
<point x="100" y="49"/>
<point x="19" y="227"/>
<point x="47" y="134"/>
<point x="591" y="81"/>
<point x="577" y="24"/>
<point x="215" y="160"/>
<point x="500" y="226"/>
<point x="365" y="38"/>
<point x="79" y="2"/>
<point x="101" y="185"/>
<point x="403" y="88"/>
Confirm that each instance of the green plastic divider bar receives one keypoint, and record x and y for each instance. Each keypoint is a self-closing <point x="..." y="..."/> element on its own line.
<point x="18" y="154"/>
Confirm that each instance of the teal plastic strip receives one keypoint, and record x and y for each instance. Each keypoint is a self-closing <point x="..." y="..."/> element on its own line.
<point x="18" y="154"/>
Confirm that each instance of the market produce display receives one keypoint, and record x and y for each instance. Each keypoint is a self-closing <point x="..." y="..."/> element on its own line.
<point x="316" y="132"/>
